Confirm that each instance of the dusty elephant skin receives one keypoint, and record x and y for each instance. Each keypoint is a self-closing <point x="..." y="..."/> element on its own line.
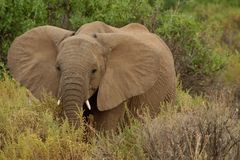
<point x="105" y="65"/>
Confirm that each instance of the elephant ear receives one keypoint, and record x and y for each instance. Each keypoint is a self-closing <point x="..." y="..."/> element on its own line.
<point x="131" y="69"/>
<point x="32" y="59"/>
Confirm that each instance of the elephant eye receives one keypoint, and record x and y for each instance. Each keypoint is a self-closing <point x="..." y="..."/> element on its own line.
<point x="94" y="71"/>
<point x="58" y="67"/>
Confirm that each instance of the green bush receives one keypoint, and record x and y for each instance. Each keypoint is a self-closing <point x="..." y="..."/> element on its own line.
<point x="2" y="70"/>
<point x="194" y="36"/>
<point x="183" y="35"/>
<point x="231" y="73"/>
<point x="18" y="17"/>
<point x="112" y="12"/>
<point x="235" y="3"/>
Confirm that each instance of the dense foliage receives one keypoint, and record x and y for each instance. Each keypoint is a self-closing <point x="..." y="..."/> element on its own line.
<point x="201" y="36"/>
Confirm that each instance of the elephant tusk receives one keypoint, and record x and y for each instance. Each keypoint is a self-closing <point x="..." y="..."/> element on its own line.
<point x="88" y="104"/>
<point x="59" y="101"/>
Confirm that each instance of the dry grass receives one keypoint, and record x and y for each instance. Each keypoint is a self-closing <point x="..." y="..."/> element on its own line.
<point x="30" y="129"/>
<point x="193" y="129"/>
<point x="208" y="132"/>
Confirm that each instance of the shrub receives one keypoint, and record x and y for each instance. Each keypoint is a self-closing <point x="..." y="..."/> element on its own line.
<point x="125" y="145"/>
<point x="193" y="129"/>
<point x="17" y="17"/>
<point x="31" y="130"/>
<point x="234" y="3"/>
<point x="182" y="33"/>
<point x="208" y="132"/>
<point x="20" y="16"/>
<point x="231" y="33"/>
<point x="231" y="73"/>
<point x="112" y="12"/>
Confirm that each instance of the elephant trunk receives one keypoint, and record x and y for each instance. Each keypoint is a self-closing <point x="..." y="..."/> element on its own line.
<point x="72" y="98"/>
<point x="74" y="82"/>
<point x="71" y="108"/>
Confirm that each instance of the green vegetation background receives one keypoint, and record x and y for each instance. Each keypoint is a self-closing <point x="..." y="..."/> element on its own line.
<point x="204" y="36"/>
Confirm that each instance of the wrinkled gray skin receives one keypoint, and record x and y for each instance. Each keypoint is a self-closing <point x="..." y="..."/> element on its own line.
<point x="107" y="65"/>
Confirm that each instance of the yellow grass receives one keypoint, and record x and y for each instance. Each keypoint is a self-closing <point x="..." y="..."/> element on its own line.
<point x="192" y="129"/>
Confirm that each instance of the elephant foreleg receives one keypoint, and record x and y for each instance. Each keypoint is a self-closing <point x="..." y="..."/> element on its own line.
<point x="108" y="120"/>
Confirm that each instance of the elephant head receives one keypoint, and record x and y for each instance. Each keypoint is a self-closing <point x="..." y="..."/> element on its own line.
<point x="113" y="64"/>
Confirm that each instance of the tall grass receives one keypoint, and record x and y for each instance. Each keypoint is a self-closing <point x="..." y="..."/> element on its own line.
<point x="194" y="128"/>
<point x="31" y="130"/>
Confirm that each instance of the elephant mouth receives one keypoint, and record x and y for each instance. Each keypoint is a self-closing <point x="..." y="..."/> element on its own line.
<point x="93" y="103"/>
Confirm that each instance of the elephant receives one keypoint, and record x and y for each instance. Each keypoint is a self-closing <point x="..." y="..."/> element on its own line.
<point x="107" y="67"/>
